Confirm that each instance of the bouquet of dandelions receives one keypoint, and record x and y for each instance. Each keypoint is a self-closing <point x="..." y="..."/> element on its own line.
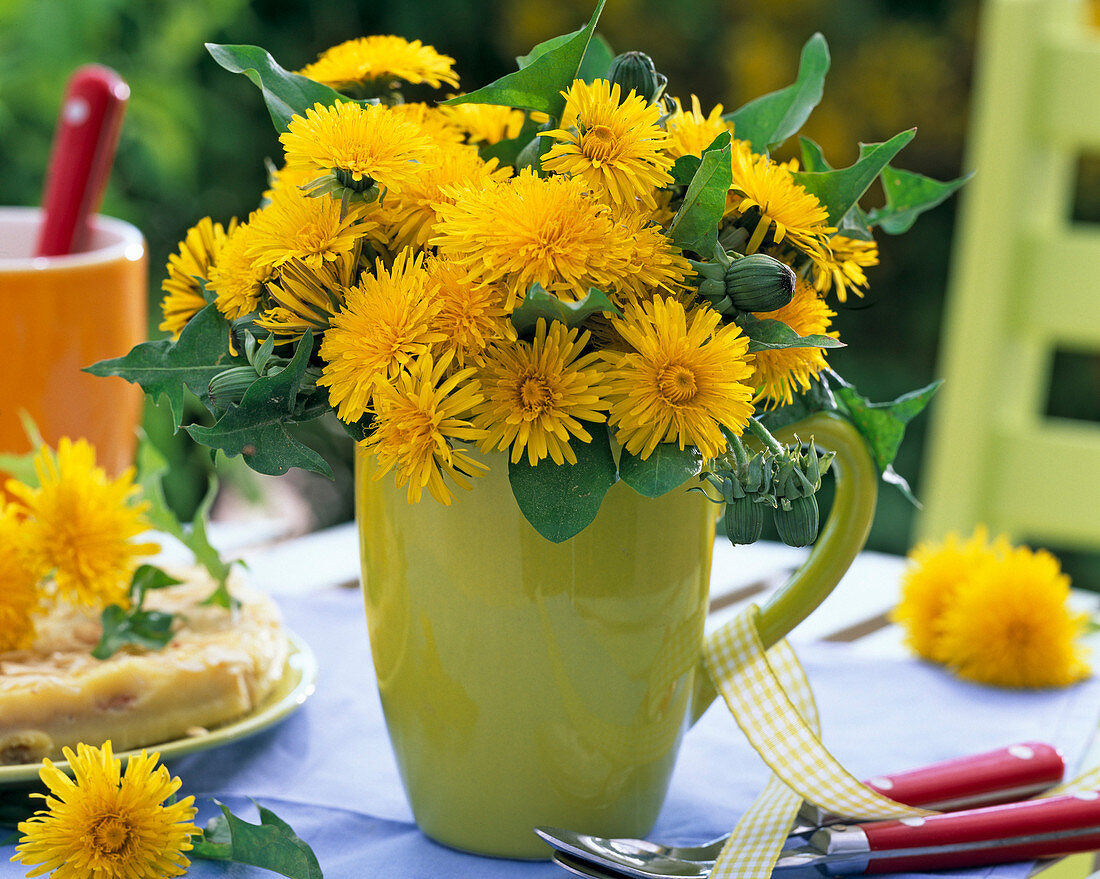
<point x="567" y="261"/>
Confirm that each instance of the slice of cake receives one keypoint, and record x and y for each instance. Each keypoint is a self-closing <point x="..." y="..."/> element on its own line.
<point x="219" y="666"/>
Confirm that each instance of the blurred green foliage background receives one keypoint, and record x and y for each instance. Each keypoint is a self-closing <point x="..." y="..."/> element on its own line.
<point x="196" y="137"/>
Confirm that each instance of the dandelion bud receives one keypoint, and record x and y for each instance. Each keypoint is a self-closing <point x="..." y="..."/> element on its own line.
<point x="744" y="520"/>
<point x="796" y="520"/>
<point x="227" y="388"/>
<point x="635" y="70"/>
<point x="758" y="282"/>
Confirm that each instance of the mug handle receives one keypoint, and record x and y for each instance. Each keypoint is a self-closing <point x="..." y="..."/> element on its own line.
<point x="840" y="541"/>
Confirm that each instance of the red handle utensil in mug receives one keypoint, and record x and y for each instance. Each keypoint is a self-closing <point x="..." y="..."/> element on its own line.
<point x="83" y="151"/>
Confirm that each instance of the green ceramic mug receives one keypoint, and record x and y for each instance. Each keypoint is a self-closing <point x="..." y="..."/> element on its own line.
<point x="525" y="682"/>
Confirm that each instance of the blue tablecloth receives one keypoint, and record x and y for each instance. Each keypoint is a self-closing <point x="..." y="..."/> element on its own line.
<point x="328" y="769"/>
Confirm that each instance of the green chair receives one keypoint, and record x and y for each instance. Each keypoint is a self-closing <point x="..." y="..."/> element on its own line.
<point x="1025" y="283"/>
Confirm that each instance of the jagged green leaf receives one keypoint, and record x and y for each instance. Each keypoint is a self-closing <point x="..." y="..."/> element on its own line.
<point x="538" y="303"/>
<point x="256" y="428"/>
<point x="151" y="629"/>
<point x="668" y="467"/>
<point x="560" y="500"/>
<point x="695" y="226"/>
<point x="271" y="845"/>
<point x="597" y="59"/>
<point x="908" y="195"/>
<point x="286" y="94"/>
<point x="818" y="397"/>
<point x="538" y="85"/>
<point x="770" y="119"/>
<point x="882" y="424"/>
<point x="684" y="168"/>
<point x="164" y="367"/>
<point x="506" y="152"/>
<point x="839" y="190"/>
<point x="769" y="334"/>
<point x="813" y="158"/>
<point x="854" y="224"/>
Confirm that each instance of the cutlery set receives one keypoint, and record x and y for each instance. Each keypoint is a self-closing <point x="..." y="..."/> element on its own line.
<point x="987" y="820"/>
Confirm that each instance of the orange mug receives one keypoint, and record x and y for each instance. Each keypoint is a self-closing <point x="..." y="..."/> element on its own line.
<point x="64" y="313"/>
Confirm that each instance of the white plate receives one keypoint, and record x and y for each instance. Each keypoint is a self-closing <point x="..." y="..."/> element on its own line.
<point x="291" y="690"/>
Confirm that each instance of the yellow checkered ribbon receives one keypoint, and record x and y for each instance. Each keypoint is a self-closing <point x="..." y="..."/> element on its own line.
<point x="771" y="700"/>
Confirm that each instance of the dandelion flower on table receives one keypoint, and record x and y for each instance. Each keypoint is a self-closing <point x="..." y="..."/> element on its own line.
<point x="530" y="229"/>
<point x="81" y="526"/>
<point x="198" y="251"/>
<point x="612" y="142"/>
<point x="690" y="132"/>
<point x="19" y="596"/>
<point x="1008" y="624"/>
<point x="684" y="379"/>
<point x="779" y="372"/>
<point x="106" y="824"/>
<point x="840" y="268"/>
<point x="418" y="419"/>
<point x="471" y="316"/>
<point x="361" y="145"/>
<point x="386" y="322"/>
<point x="931" y="579"/>
<point x="778" y="208"/>
<point x="297" y="226"/>
<point x="537" y="394"/>
<point x="236" y="278"/>
<point x="377" y="59"/>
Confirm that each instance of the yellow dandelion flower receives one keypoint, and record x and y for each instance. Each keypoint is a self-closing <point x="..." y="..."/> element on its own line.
<point x="930" y="580"/>
<point x="386" y="322"/>
<point x="106" y="824"/>
<point x="840" y="268"/>
<point x="530" y="229"/>
<point x="296" y="226"/>
<point x="786" y="210"/>
<point x="19" y="597"/>
<point x="690" y="132"/>
<point x="684" y="380"/>
<point x="538" y="392"/>
<point x="236" y="278"/>
<point x="436" y="124"/>
<point x="378" y="59"/>
<point x="653" y="262"/>
<point x="471" y="316"/>
<point x="409" y="221"/>
<point x="485" y="123"/>
<point x="418" y="419"/>
<point x="1008" y="625"/>
<point x="198" y="251"/>
<point x="360" y="144"/>
<point x="611" y="142"/>
<point x="780" y="372"/>
<point x="80" y="525"/>
<point x="306" y="298"/>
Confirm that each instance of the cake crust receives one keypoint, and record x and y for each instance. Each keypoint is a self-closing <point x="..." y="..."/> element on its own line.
<point x="219" y="666"/>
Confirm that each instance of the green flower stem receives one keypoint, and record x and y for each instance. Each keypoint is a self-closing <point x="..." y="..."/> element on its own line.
<point x="844" y="534"/>
<point x="740" y="456"/>
<point x="761" y="433"/>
